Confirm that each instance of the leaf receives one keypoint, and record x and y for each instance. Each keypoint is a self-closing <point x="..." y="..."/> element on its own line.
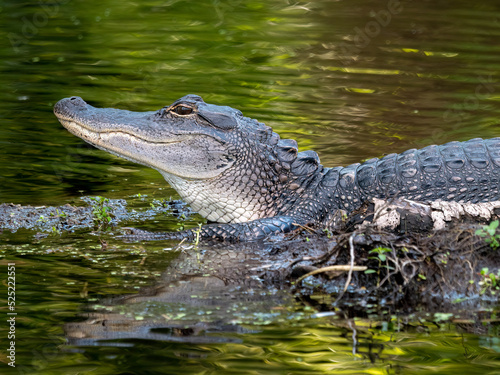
<point x="370" y="271"/>
<point x="480" y="232"/>
<point x="493" y="279"/>
<point x="382" y="257"/>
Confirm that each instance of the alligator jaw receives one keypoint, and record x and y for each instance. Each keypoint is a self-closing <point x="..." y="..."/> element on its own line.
<point x="110" y="141"/>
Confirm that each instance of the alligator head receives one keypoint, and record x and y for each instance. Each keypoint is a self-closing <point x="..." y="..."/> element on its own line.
<point x="228" y="167"/>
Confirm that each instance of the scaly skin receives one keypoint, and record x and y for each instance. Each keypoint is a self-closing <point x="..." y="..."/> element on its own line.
<point x="237" y="172"/>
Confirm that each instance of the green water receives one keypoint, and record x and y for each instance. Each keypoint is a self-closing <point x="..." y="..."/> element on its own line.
<point x="349" y="79"/>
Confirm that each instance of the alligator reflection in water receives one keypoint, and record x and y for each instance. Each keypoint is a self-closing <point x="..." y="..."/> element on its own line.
<point x="201" y="293"/>
<point x="227" y="288"/>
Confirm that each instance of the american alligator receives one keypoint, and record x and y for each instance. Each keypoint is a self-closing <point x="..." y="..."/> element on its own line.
<point x="239" y="174"/>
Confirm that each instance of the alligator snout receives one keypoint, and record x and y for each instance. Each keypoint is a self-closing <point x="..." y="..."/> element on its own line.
<point x="71" y="104"/>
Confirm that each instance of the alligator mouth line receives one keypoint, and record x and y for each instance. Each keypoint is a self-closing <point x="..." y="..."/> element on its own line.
<point x="93" y="136"/>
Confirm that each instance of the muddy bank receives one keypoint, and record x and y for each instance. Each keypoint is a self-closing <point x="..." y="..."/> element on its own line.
<point x="95" y="213"/>
<point x="403" y="256"/>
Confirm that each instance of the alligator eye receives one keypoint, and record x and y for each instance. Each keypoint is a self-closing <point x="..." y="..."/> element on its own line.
<point x="182" y="110"/>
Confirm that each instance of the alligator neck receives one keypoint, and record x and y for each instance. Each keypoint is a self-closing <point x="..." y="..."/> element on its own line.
<point x="261" y="184"/>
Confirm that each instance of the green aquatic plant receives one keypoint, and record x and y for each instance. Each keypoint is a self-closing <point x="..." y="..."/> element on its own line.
<point x="380" y="255"/>
<point x="328" y="232"/>
<point x="58" y="213"/>
<point x="490" y="281"/>
<point x="488" y="232"/>
<point x="197" y="235"/>
<point x="101" y="212"/>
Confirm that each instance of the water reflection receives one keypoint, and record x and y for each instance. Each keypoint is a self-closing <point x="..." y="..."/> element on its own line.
<point x="231" y="306"/>
<point x="202" y="293"/>
<point x="220" y="309"/>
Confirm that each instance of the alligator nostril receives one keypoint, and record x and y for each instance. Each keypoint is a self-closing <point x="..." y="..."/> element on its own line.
<point x="76" y="101"/>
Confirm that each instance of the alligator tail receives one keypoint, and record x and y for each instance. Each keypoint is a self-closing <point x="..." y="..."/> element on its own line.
<point x="456" y="171"/>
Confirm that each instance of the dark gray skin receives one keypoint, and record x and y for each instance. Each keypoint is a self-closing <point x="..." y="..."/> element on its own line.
<point x="238" y="173"/>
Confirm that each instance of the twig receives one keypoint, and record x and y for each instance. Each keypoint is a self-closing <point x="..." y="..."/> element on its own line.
<point x="178" y="246"/>
<point x="338" y="268"/>
<point x="309" y="229"/>
<point x="351" y="248"/>
<point x="349" y="275"/>
<point x="303" y="259"/>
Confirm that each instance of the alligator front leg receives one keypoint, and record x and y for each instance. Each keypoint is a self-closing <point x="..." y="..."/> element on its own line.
<point x="249" y="231"/>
